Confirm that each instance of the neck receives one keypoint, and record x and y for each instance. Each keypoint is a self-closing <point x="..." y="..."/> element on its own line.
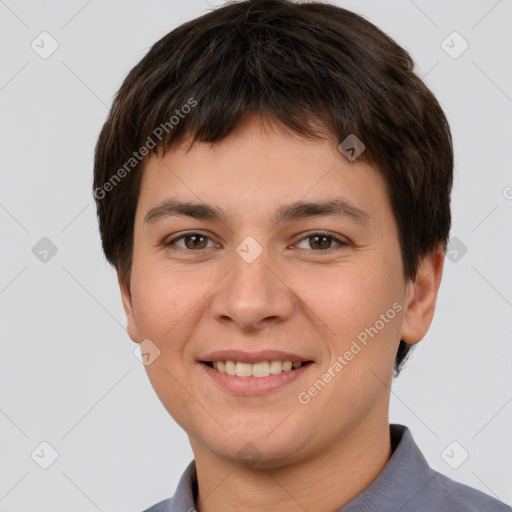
<point x="325" y="481"/>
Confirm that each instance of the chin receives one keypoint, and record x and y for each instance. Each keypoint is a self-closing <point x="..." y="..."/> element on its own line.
<point x="256" y="449"/>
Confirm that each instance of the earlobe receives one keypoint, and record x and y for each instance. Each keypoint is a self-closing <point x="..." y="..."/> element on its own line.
<point x="131" y="326"/>
<point x="422" y="296"/>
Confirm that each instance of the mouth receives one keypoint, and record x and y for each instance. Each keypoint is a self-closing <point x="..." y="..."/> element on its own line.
<point x="259" y="369"/>
<point x="256" y="375"/>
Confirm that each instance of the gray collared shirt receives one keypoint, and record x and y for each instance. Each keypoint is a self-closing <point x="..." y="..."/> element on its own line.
<point x="406" y="484"/>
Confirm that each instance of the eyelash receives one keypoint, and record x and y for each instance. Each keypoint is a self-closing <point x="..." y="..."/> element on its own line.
<point x="340" y="243"/>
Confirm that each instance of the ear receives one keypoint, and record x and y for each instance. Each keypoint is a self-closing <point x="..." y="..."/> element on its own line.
<point x="127" y="306"/>
<point x="422" y="296"/>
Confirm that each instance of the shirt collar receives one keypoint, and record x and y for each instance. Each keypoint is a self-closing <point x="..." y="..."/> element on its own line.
<point x="405" y="475"/>
<point x="402" y="479"/>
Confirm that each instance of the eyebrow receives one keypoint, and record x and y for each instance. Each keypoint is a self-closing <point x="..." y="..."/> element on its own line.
<point x="338" y="207"/>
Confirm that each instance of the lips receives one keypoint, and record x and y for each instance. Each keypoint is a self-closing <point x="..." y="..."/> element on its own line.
<point x="253" y="357"/>
<point x="249" y="384"/>
<point x="254" y="373"/>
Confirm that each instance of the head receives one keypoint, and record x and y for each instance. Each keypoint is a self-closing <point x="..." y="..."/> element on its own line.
<point x="242" y="112"/>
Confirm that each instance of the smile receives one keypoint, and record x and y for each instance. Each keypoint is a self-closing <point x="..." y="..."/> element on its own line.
<point x="259" y="369"/>
<point x="254" y="379"/>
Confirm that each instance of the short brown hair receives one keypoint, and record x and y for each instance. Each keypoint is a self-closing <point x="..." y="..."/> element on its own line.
<point x="305" y="65"/>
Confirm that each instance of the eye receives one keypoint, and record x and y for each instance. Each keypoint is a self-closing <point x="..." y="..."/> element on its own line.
<point x="322" y="241"/>
<point x="319" y="241"/>
<point x="192" y="242"/>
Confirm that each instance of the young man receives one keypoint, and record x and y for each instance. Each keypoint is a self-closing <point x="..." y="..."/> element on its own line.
<point x="273" y="187"/>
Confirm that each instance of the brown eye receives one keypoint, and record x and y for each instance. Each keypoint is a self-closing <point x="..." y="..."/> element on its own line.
<point x="322" y="242"/>
<point x="195" y="241"/>
<point x="191" y="242"/>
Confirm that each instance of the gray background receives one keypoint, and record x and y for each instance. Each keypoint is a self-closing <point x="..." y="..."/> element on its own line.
<point x="68" y="373"/>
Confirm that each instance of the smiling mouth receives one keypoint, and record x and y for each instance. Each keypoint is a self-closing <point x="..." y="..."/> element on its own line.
<point x="260" y="369"/>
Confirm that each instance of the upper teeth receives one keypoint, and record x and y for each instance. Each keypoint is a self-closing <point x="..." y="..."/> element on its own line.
<point x="262" y="369"/>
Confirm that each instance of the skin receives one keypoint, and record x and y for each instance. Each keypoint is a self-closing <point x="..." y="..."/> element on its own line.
<point x="294" y="297"/>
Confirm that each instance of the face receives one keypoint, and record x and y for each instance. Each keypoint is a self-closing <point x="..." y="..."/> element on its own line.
<point x="251" y="277"/>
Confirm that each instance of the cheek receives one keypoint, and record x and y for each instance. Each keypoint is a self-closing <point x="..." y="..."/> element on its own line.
<point x="357" y="305"/>
<point x="163" y="300"/>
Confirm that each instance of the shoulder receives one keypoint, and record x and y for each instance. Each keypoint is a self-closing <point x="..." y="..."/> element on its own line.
<point x="183" y="499"/>
<point x="408" y="480"/>
<point x="443" y="493"/>
<point x="162" y="506"/>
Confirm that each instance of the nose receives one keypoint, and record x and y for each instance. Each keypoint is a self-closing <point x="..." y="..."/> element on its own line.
<point x="253" y="295"/>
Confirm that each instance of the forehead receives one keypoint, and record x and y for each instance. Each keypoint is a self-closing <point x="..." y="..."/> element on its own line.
<point x="260" y="167"/>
